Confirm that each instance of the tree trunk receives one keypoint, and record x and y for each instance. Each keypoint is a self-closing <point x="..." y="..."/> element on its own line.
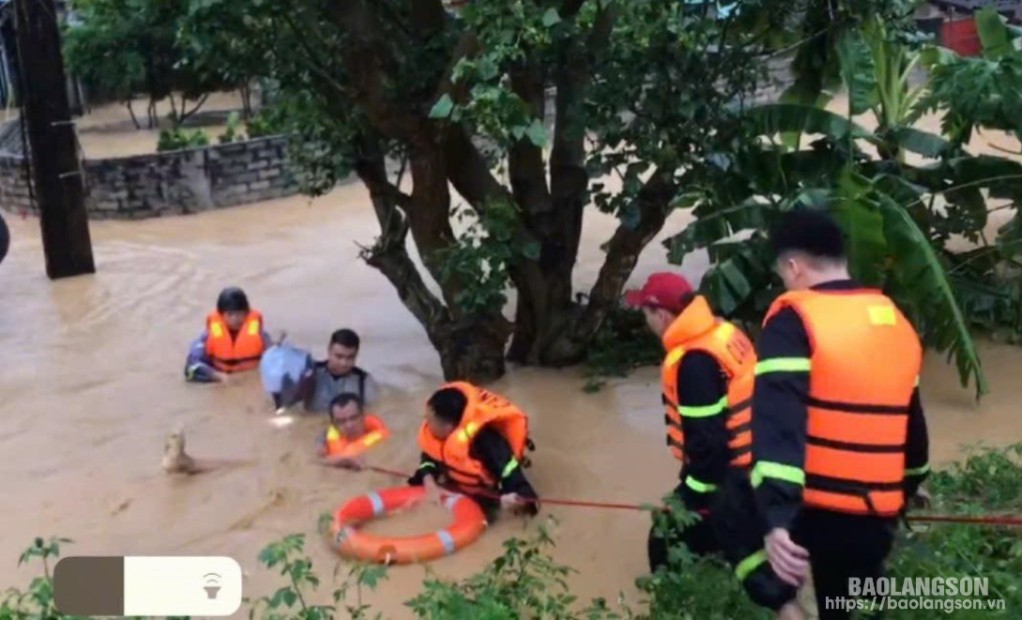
<point x="246" y="100"/>
<point x="131" y="112"/>
<point x="470" y="347"/>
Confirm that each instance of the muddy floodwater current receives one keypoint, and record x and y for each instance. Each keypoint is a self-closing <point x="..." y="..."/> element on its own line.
<point x="91" y="378"/>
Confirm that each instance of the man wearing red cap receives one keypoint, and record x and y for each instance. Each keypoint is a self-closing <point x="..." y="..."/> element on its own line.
<point x="707" y="379"/>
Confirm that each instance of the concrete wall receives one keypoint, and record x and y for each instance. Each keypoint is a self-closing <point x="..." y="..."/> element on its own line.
<point x="170" y="183"/>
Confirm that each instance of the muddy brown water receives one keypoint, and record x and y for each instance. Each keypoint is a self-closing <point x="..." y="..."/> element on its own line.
<point x="90" y="373"/>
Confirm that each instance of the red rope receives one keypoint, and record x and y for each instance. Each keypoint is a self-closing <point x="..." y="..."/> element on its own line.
<point x="991" y="520"/>
<point x="995" y="520"/>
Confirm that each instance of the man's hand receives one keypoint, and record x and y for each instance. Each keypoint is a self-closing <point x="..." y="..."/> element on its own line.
<point x="789" y="561"/>
<point x="432" y="490"/>
<point x="510" y="500"/>
<point x="519" y="505"/>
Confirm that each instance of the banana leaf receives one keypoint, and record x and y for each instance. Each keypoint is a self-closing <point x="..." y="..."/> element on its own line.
<point x="778" y="118"/>
<point x="921" y="276"/>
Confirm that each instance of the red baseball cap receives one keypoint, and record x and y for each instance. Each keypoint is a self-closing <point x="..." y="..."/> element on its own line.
<point x="661" y="290"/>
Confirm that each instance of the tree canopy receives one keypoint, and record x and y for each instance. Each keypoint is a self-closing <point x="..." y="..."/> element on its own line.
<point x="530" y="111"/>
<point x="483" y="132"/>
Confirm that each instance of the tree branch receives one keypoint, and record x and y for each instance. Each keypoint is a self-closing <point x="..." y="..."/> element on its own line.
<point x="429" y="215"/>
<point x="469" y="172"/>
<point x="623" y="249"/>
<point x="387" y="198"/>
<point x="429" y="17"/>
<point x="371" y="64"/>
<point x="389" y="254"/>
<point x="568" y="175"/>
<point x="527" y="170"/>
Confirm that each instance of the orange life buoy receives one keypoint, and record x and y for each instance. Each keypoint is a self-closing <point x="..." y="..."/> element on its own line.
<point x="469" y="523"/>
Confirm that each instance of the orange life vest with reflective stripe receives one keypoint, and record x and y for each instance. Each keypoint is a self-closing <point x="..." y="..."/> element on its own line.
<point x="337" y="445"/>
<point x="484" y="409"/>
<point x="697" y="329"/>
<point x="866" y="358"/>
<point x="237" y="353"/>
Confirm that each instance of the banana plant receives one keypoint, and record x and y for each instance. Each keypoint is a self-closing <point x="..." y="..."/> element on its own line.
<point x="899" y="217"/>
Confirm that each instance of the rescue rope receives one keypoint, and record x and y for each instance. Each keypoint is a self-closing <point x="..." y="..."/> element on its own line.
<point x="1008" y="521"/>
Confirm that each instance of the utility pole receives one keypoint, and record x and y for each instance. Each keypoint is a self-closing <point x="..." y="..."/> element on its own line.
<point x="53" y="151"/>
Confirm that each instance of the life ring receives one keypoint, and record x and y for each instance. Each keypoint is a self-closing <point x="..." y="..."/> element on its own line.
<point x="469" y="523"/>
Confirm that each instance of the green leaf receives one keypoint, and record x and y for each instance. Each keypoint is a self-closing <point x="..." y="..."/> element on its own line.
<point x="922" y="276"/>
<point x="778" y="118"/>
<point x="1009" y="237"/>
<point x="864" y="232"/>
<point x="442" y="108"/>
<point x="922" y="142"/>
<point x="530" y="250"/>
<point x="857" y="71"/>
<point x="993" y="34"/>
<point x="551" y="17"/>
<point x="537" y="133"/>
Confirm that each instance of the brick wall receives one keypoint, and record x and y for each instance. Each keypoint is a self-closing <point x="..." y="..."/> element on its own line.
<point x="170" y="183"/>
<point x="13" y="184"/>
<point x="193" y="180"/>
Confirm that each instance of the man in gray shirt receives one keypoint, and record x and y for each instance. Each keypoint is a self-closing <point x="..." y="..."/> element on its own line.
<point x="338" y="374"/>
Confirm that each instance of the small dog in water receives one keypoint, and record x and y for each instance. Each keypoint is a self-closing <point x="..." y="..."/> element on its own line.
<point x="175" y="460"/>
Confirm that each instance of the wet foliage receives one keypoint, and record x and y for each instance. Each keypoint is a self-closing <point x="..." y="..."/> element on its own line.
<point x="525" y="581"/>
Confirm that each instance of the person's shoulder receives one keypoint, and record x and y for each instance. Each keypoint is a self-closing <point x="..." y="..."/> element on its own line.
<point x="784" y="334"/>
<point x="785" y="318"/>
<point x="698" y="359"/>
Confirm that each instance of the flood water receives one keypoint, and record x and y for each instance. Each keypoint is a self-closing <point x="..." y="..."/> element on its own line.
<point x="91" y="374"/>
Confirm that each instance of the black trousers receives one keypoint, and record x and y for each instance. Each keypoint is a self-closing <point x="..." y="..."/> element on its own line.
<point x="842" y="546"/>
<point x="698" y="537"/>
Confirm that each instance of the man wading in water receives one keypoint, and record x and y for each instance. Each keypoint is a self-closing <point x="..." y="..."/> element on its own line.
<point x="338" y="374"/>
<point x="839" y="436"/>
<point x="705" y="360"/>
<point x="475" y="441"/>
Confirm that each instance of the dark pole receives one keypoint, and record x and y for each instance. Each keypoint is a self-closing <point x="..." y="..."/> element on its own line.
<point x="56" y="176"/>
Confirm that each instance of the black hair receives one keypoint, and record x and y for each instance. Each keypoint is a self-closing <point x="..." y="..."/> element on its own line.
<point x="345" y="338"/>
<point x="448" y="404"/>
<point x="343" y="400"/>
<point x="232" y="299"/>
<point x="809" y="231"/>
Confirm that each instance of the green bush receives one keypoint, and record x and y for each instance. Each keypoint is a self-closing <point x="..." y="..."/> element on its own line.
<point x="525" y="582"/>
<point x="232" y="133"/>
<point x="622" y="344"/>
<point x="177" y="139"/>
<point x="265" y="123"/>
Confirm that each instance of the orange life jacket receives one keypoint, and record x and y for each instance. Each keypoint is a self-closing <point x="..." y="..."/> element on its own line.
<point x="240" y="352"/>
<point x="866" y="358"/>
<point x="337" y="445"/>
<point x="484" y="408"/>
<point x="697" y="329"/>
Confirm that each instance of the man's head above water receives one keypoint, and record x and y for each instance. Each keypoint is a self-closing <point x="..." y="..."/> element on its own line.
<point x="662" y="298"/>
<point x="810" y="249"/>
<point x="444" y="411"/>
<point x="347" y="416"/>
<point x="342" y="352"/>
<point x="232" y="304"/>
